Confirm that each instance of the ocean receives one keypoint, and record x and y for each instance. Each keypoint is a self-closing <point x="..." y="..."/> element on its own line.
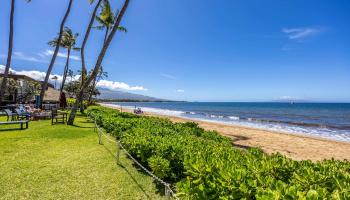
<point x="326" y="120"/>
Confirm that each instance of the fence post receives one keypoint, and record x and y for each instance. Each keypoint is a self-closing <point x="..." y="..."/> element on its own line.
<point x="167" y="193"/>
<point x="118" y="151"/>
<point x="95" y="128"/>
<point x="99" y="137"/>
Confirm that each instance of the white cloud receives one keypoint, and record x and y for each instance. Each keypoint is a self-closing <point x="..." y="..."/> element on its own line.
<point x="168" y="76"/>
<point x="59" y="54"/>
<point x="37" y="75"/>
<point x="288" y="98"/>
<point x="299" y="33"/>
<point x="114" y="85"/>
<point x="180" y="90"/>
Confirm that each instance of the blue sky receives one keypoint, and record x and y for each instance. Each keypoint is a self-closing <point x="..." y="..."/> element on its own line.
<point x="202" y="50"/>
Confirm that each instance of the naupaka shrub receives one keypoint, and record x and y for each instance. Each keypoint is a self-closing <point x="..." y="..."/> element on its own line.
<point x="205" y="165"/>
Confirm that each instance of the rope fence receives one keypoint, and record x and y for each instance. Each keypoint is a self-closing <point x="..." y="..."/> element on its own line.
<point x="169" y="193"/>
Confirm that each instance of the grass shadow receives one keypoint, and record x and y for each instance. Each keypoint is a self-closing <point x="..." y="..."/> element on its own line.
<point x="128" y="172"/>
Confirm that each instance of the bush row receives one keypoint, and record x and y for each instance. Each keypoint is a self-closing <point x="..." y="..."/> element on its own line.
<point x="204" y="165"/>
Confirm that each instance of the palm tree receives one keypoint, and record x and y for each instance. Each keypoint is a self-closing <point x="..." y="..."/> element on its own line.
<point x="71" y="74"/>
<point x="106" y="19"/>
<point x="101" y="75"/>
<point x="52" y="62"/>
<point x="9" y="53"/>
<point x="86" y="37"/>
<point x="98" y="62"/>
<point x="55" y="78"/>
<point x="68" y="41"/>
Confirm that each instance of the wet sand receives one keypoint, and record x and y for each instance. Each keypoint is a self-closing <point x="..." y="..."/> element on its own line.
<point x="298" y="147"/>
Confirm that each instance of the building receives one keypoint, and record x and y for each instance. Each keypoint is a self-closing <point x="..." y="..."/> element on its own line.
<point x="23" y="89"/>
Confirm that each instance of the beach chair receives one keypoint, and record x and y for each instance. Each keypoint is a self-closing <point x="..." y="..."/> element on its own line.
<point x="9" y="114"/>
<point x="22" y="115"/>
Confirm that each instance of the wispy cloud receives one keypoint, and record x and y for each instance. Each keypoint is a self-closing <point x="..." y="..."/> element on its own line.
<point x="22" y="56"/>
<point x="38" y="75"/>
<point x="42" y="57"/>
<point x="300" y="33"/>
<point x="180" y="90"/>
<point x="168" y="76"/>
<point x="59" y="54"/>
<point x="114" y="85"/>
<point x="288" y="98"/>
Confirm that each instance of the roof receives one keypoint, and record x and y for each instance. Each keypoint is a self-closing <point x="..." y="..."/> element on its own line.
<point x="52" y="95"/>
<point x="19" y="76"/>
<point x="24" y="77"/>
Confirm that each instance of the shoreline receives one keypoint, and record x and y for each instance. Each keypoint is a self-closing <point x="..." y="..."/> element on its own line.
<point x="295" y="146"/>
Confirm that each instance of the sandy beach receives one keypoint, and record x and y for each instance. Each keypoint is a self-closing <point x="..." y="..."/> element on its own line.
<point x="298" y="147"/>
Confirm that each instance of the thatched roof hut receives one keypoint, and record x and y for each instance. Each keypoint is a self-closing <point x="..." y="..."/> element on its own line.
<point x="52" y="95"/>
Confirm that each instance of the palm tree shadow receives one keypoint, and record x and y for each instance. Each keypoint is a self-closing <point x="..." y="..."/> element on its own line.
<point x="128" y="172"/>
<point x="78" y="126"/>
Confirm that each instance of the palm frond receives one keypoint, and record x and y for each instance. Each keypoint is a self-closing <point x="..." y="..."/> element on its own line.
<point x="122" y="29"/>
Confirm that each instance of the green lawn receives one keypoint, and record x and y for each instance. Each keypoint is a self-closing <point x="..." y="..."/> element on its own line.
<point x="65" y="162"/>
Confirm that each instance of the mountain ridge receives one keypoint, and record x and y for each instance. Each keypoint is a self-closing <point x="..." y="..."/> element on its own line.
<point x="117" y="95"/>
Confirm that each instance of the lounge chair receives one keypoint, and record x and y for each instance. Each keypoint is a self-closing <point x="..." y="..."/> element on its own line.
<point x="9" y="114"/>
<point x="22" y="115"/>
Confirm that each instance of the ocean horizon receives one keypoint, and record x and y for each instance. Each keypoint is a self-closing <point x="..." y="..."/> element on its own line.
<point x="324" y="120"/>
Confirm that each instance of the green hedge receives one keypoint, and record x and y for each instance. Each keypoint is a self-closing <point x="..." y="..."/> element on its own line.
<point x="204" y="165"/>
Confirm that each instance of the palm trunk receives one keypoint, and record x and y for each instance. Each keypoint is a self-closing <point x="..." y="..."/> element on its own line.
<point x="49" y="69"/>
<point x="95" y="79"/>
<point x="9" y="54"/>
<point x="87" y="34"/>
<point x="106" y="34"/>
<point x="65" y="71"/>
<point x="98" y="62"/>
<point x="92" y="90"/>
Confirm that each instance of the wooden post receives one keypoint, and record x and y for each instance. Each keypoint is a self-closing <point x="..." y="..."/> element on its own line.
<point x="167" y="194"/>
<point x="99" y="136"/>
<point x="118" y="153"/>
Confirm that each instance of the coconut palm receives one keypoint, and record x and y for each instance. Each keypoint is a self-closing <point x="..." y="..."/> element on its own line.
<point x="68" y="41"/>
<point x="98" y="61"/>
<point x="101" y="75"/>
<point x="106" y="19"/>
<point x="86" y="37"/>
<point x="52" y="62"/>
<point x="9" y="53"/>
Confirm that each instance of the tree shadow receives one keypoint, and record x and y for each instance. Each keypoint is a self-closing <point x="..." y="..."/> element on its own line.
<point x="78" y="126"/>
<point x="128" y="172"/>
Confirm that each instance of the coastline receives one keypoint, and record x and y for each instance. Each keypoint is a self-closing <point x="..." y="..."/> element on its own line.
<point x="295" y="146"/>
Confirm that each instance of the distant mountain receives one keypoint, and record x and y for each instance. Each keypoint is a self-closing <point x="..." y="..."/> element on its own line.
<point x="112" y="95"/>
